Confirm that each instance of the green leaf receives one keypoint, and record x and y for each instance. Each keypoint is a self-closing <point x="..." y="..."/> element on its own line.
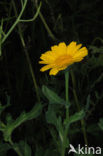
<point x="52" y="96"/>
<point x="24" y="148"/>
<point x="75" y="117"/>
<point x="51" y="117"/>
<point x="55" y="139"/>
<point x="60" y="129"/>
<point x="57" y="122"/>
<point x="8" y="129"/>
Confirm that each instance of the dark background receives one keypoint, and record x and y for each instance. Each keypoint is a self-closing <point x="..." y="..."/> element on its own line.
<point x="68" y="20"/>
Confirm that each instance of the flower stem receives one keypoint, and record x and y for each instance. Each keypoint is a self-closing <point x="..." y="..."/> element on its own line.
<point x="67" y="93"/>
<point x="47" y="27"/>
<point x="78" y="107"/>
<point x="16" y="148"/>
<point x="67" y="112"/>
<point x="63" y="152"/>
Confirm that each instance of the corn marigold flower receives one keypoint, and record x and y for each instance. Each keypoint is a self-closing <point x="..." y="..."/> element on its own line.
<point x="61" y="56"/>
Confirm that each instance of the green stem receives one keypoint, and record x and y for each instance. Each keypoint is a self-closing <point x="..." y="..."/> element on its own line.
<point x="67" y="93"/>
<point x="78" y="107"/>
<point x="15" y="23"/>
<point x="47" y="27"/>
<point x="45" y="24"/>
<point x="67" y="113"/>
<point x="63" y="152"/>
<point x="16" y="149"/>
<point x="34" y="17"/>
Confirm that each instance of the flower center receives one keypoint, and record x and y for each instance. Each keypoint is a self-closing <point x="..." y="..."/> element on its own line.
<point x="63" y="60"/>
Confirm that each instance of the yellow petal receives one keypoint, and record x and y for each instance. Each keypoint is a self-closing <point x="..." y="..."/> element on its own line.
<point x="80" y="54"/>
<point x="60" y="49"/>
<point x="71" y="47"/>
<point x="53" y="71"/>
<point x="76" y="49"/>
<point x="61" y="56"/>
<point x="54" y="48"/>
<point x="43" y="62"/>
<point x="46" y="67"/>
<point x="48" y="57"/>
<point x="63" y="67"/>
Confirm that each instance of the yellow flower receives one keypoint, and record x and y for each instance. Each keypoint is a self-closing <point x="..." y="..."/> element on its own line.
<point x="61" y="56"/>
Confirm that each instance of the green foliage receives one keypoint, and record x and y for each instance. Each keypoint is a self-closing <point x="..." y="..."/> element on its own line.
<point x="12" y="124"/>
<point x="51" y="117"/>
<point x="75" y="117"/>
<point x="52" y="96"/>
<point x="24" y="148"/>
